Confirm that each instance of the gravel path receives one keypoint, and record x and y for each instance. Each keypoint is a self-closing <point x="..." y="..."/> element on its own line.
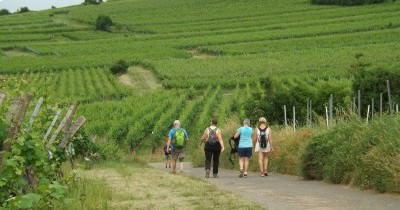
<point x="281" y="192"/>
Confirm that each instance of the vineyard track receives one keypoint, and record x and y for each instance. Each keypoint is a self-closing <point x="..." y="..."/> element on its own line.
<point x="140" y="78"/>
<point x="282" y="192"/>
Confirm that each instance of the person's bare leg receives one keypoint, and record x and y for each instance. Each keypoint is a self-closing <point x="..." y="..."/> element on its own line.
<point x="173" y="165"/>
<point x="265" y="162"/>
<point x="261" y="161"/>
<point x="241" y="163"/>
<point x="246" y="165"/>
<point x="181" y="166"/>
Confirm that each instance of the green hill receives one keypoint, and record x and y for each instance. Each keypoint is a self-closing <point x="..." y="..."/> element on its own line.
<point x="200" y="44"/>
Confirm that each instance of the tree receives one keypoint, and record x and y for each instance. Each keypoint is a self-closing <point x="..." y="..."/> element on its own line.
<point x="120" y="67"/>
<point x="23" y="9"/>
<point x="103" y="23"/>
<point x="92" y="2"/>
<point x="4" y="12"/>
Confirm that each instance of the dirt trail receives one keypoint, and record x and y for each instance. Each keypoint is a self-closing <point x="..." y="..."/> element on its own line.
<point x="140" y="78"/>
<point x="281" y="192"/>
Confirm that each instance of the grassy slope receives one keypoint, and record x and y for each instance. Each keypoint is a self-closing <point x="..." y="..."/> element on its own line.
<point x="261" y="37"/>
<point x="134" y="186"/>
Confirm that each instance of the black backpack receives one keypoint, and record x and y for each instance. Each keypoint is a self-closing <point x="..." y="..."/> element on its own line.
<point x="212" y="136"/>
<point x="263" y="137"/>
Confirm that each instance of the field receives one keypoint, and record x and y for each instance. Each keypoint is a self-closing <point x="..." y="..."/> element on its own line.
<point x="191" y="60"/>
<point x="231" y="44"/>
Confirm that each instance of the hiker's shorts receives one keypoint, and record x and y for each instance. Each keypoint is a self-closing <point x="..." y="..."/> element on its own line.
<point x="168" y="156"/>
<point x="178" y="154"/>
<point x="245" y="152"/>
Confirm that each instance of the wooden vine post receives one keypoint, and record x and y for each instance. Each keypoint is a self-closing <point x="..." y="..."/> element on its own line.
<point x="14" y="119"/>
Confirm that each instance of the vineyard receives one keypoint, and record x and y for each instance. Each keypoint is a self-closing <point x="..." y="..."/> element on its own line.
<point x="224" y="59"/>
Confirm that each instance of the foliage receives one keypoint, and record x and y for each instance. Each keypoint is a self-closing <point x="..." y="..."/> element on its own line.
<point x="30" y="176"/>
<point x="4" y="12"/>
<point x="372" y="83"/>
<point x="92" y="2"/>
<point x="103" y="23"/>
<point x="23" y="10"/>
<point x="120" y="67"/>
<point x="357" y="154"/>
<point x="3" y="132"/>
<point x="294" y="91"/>
<point x="83" y="144"/>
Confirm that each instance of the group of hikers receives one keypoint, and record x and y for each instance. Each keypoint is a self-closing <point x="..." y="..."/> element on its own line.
<point x="245" y="140"/>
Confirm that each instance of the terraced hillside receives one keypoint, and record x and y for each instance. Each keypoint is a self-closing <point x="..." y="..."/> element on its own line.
<point x="220" y="48"/>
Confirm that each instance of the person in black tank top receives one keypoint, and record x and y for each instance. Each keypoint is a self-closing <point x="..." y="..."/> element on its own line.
<point x="213" y="147"/>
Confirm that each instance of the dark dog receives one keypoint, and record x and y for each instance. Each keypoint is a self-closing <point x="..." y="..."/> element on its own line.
<point x="234" y="144"/>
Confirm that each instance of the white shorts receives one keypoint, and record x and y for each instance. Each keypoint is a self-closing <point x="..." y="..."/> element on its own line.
<point x="259" y="149"/>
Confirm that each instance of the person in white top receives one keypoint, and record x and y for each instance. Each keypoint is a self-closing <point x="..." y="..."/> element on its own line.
<point x="213" y="147"/>
<point x="263" y="144"/>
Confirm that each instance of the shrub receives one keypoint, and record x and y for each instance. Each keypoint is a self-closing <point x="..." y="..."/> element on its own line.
<point x="83" y="145"/>
<point x="3" y="132"/>
<point x="92" y="2"/>
<point x="4" y="12"/>
<point x="356" y="153"/>
<point x="291" y="91"/>
<point x="373" y="82"/>
<point x="120" y="67"/>
<point x="23" y="9"/>
<point x="103" y="23"/>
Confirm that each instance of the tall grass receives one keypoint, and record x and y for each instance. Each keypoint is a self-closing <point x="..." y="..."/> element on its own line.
<point x="83" y="192"/>
<point x="356" y="153"/>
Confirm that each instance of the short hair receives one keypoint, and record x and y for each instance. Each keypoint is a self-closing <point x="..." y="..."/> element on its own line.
<point x="177" y="123"/>
<point x="246" y="122"/>
<point x="214" y="121"/>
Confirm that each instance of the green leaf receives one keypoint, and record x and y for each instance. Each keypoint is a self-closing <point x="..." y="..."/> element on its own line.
<point x="29" y="200"/>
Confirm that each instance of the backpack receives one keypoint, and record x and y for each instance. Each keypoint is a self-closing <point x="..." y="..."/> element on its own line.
<point x="212" y="136"/>
<point x="167" y="152"/>
<point x="263" y="137"/>
<point x="179" y="137"/>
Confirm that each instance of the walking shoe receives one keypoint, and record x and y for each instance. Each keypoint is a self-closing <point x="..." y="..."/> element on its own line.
<point x="215" y="175"/>
<point x="262" y="174"/>
<point x="241" y="174"/>
<point x="245" y="175"/>
<point x="265" y="173"/>
<point x="208" y="173"/>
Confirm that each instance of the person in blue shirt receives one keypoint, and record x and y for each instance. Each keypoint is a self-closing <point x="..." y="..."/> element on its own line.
<point x="245" y="147"/>
<point x="177" y="138"/>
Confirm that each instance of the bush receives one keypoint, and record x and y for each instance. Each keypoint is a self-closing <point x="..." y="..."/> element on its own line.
<point x="83" y="145"/>
<point x="3" y="133"/>
<point x="292" y="91"/>
<point x="4" y="12"/>
<point x="23" y="9"/>
<point x="92" y="2"/>
<point x="120" y="67"/>
<point x="349" y="2"/>
<point x="373" y="82"/>
<point x="103" y="23"/>
<point x="358" y="154"/>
